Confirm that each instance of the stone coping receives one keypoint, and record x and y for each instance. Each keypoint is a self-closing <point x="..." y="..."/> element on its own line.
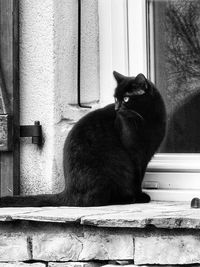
<point x="169" y="215"/>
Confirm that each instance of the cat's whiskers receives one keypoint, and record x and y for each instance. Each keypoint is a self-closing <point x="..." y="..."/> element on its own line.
<point x="140" y="116"/>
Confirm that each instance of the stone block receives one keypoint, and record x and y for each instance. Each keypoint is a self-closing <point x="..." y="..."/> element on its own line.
<point x="74" y="264"/>
<point x="154" y="265"/>
<point x="21" y="264"/>
<point x="166" y="250"/>
<point x="84" y="245"/>
<point x="117" y="265"/>
<point x="14" y="247"/>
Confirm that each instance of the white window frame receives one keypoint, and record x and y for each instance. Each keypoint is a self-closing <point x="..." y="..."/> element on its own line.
<point x="125" y="43"/>
<point x="113" y="45"/>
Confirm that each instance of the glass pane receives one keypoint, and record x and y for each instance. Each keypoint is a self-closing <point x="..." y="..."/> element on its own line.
<point x="174" y="26"/>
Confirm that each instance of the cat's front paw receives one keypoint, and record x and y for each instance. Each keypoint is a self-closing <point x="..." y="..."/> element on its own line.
<point x="143" y="198"/>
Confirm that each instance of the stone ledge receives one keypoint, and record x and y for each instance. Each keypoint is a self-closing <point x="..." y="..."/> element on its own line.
<point x="56" y="243"/>
<point x="169" y="215"/>
<point x="74" y="264"/>
<point x="22" y="264"/>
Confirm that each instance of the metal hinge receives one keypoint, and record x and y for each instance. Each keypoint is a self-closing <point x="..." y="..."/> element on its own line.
<point x="34" y="131"/>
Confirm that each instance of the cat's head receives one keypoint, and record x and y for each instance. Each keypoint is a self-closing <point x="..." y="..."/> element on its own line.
<point x="134" y="93"/>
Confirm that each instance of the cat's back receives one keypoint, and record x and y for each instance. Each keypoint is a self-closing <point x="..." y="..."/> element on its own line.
<point x="94" y="141"/>
<point x="96" y="125"/>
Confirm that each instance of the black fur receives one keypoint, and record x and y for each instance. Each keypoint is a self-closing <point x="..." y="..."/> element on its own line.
<point x="107" y="151"/>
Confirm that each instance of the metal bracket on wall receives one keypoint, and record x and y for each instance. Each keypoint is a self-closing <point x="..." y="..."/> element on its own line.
<point x="34" y="131"/>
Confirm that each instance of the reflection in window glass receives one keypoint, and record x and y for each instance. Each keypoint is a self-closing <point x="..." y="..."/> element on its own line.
<point x="175" y="27"/>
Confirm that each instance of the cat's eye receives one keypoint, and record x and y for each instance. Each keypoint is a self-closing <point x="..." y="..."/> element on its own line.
<point x="139" y="92"/>
<point x="126" y="99"/>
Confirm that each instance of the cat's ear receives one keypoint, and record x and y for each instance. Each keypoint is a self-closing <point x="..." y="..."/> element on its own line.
<point x="118" y="77"/>
<point x="141" y="79"/>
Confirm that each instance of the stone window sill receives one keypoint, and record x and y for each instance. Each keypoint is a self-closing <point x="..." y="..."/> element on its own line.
<point x="168" y="215"/>
<point x="150" y="234"/>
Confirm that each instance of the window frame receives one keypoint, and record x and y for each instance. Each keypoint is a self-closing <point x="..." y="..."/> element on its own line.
<point x="169" y="177"/>
<point x="113" y="45"/>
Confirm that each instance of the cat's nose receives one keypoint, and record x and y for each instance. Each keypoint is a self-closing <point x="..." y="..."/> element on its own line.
<point x="117" y="106"/>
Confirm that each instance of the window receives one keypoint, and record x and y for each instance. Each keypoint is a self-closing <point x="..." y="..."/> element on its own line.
<point x="162" y="40"/>
<point x="173" y="40"/>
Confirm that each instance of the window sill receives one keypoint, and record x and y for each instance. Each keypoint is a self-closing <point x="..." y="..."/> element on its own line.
<point x="145" y="234"/>
<point x="168" y="215"/>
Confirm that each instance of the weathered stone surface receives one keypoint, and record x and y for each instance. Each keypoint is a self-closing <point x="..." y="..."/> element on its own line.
<point x="69" y="214"/>
<point x="168" y="249"/>
<point x="14" y="247"/>
<point x="117" y="265"/>
<point x="90" y="264"/>
<point x="21" y="264"/>
<point x="81" y="243"/>
<point x="82" y="246"/>
<point x="61" y="214"/>
<point x="154" y="265"/>
<point x="74" y="264"/>
<point x="169" y="215"/>
<point x="7" y="214"/>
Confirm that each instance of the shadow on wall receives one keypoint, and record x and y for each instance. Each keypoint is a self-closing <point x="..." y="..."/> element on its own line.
<point x="183" y="134"/>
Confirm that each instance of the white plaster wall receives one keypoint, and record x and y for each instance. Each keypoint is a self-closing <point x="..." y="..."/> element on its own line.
<point x="36" y="91"/>
<point x="66" y="30"/>
<point x="48" y="82"/>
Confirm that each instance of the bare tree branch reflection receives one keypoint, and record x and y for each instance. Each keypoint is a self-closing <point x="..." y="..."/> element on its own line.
<point x="182" y="53"/>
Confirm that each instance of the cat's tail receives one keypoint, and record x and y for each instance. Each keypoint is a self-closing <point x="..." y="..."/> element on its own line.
<point x="34" y="200"/>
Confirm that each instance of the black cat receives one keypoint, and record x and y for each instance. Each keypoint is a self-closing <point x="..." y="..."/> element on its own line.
<point x="107" y="151"/>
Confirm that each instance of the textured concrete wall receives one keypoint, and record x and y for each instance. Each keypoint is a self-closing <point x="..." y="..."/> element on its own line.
<point x="36" y="90"/>
<point x="48" y="82"/>
<point x="66" y="112"/>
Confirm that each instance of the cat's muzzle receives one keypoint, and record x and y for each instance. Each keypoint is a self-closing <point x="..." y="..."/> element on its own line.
<point x="117" y="105"/>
